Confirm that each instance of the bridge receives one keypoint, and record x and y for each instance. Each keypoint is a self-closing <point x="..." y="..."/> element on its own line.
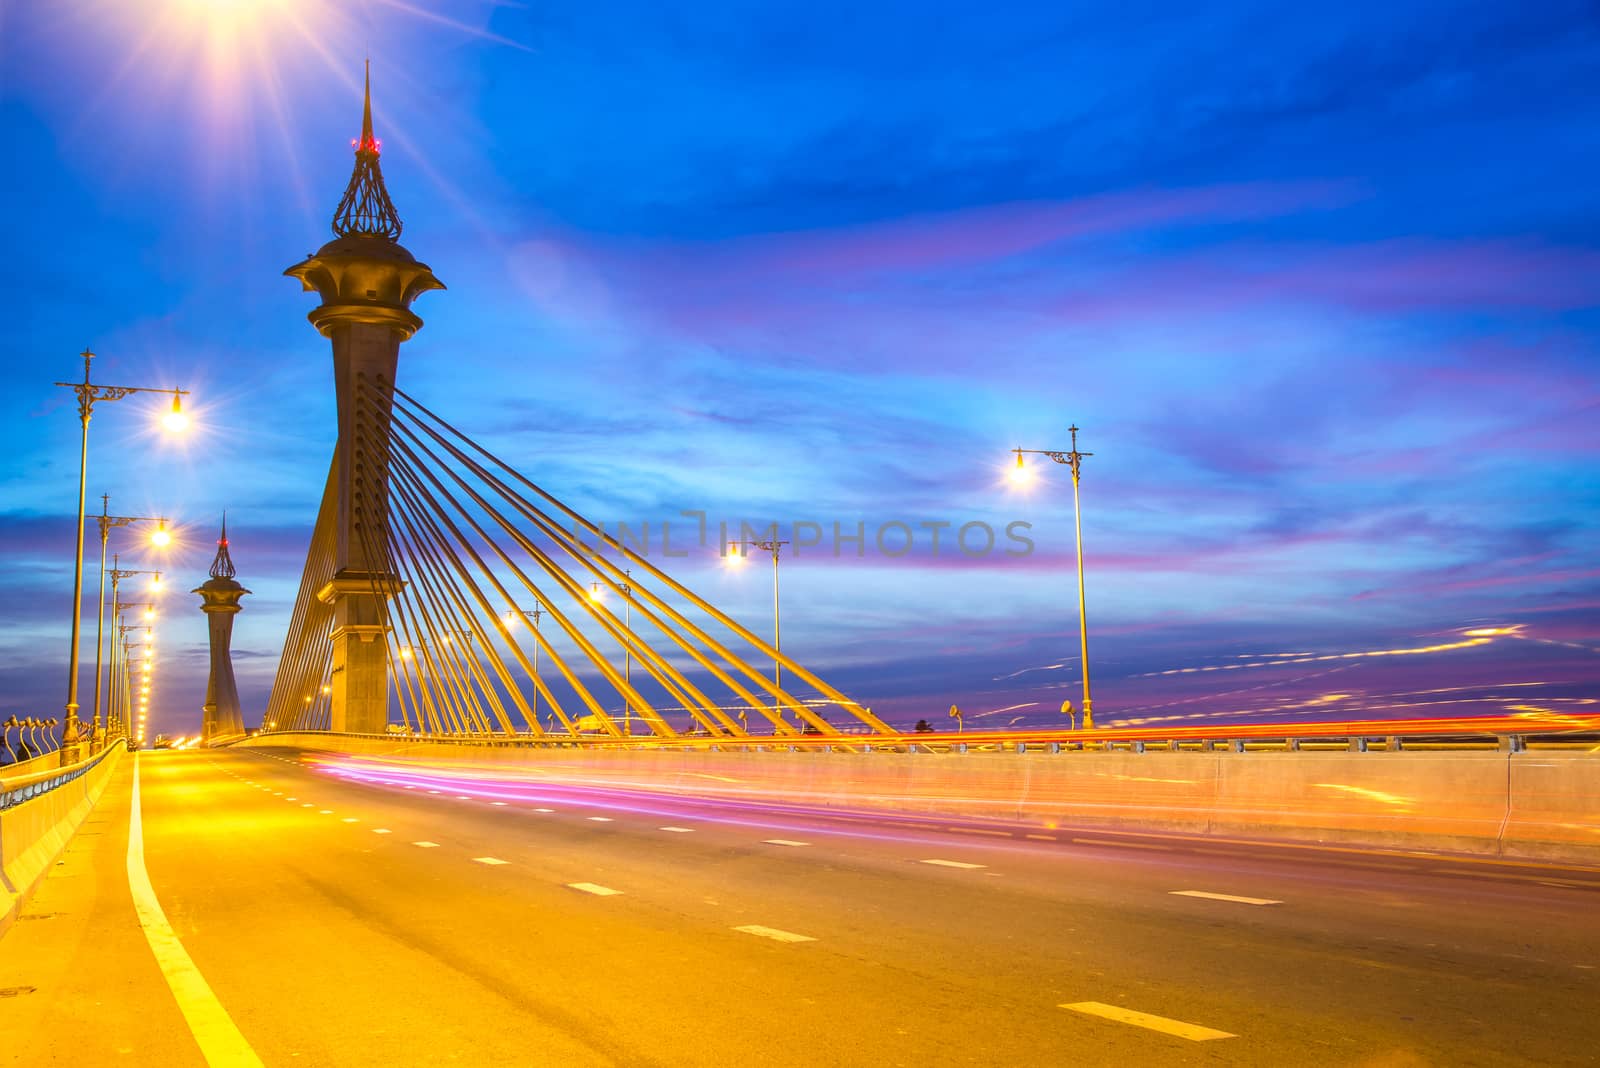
<point x="520" y="796"/>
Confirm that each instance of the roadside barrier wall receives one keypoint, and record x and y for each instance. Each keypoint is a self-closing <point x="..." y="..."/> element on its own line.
<point x="33" y="832"/>
<point x="1531" y="804"/>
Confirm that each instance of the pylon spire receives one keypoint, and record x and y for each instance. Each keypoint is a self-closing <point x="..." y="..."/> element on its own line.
<point x="222" y="565"/>
<point x="367" y="140"/>
<point x="365" y="209"/>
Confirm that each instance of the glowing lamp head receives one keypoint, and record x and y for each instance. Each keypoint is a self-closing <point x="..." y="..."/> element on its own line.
<point x="594" y="592"/>
<point x="510" y="619"/>
<point x="161" y="539"/>
<point x="737" y="556"/>
<point x="155" y="582"/>
<point x="1020" y="475"/>
<point x="149" y="613"/>
<point x="405" y="654"/>
<point x="176" y="421"/>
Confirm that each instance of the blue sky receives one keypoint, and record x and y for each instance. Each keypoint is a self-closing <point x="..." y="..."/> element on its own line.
<point x="1321" y="291"/>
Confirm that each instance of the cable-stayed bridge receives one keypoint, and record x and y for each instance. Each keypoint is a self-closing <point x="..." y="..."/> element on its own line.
<point x="521" y="797"/>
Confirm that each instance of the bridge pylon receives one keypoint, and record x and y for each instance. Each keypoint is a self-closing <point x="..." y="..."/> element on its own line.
<point x="219" y="600"/>
<point x="367" y="282"/>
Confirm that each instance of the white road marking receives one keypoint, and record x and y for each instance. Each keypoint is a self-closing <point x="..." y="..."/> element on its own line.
<point x="1041" y="837"/>
<point x="499" y="804"/>
<point x="954" y="864"/>
<point x="426" y="845"/>
<point x="308" y="804"/>
<point x="277" y="793"/>
<point x="433" y="791"/>
<point x="349" y="819"/>
<point x="1226" y="897"/>
<point x="326" y="812"/>
<point x="490" y="860"/>
<point x="677" y="830"/>
<point x="773" y="933"/>
<point x="1193" y="1032"/>
<point x="380" y="830"/>
<point x="291" y="799"/>
<point x="463" y="797"/>
<point x="782" y="842"/>
<point x="544" y="810"/>
<point x="601" y="819"/>
<point x="594" y="888"/>
<point x="214" y="1031"/>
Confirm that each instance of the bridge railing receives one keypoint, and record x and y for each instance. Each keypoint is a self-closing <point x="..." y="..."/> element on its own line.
<point x="1512" y="733"/>
<point x="29" y="779"/>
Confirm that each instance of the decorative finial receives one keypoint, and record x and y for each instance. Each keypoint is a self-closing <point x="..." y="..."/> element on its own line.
<point x="365" y="208"/>
<point x="222" y="566"/>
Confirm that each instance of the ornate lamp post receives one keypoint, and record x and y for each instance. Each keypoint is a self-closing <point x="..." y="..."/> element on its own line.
<point x="626" y="590"/>
<point x="160" y="539"/>
<point x="511" y="618"/>
<point x="774" y="547"/>
<point x="1074" y="460"/>
<point x="88" y="394"/>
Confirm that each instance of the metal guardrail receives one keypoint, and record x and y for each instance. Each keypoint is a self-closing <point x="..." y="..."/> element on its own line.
<point x="16" y="789"/>
<point x="1507" y="733"/>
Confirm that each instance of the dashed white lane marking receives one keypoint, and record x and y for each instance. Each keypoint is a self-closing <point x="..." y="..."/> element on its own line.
<point x="277" y="793"/>
<point x="773" y="933"/>
<point x="308" y="804"/>
<point x="214" y="1030"/>
<point x="291" y="799"/>
<point x="1193" y="1032"/>
<point x="326" y="812"/>
<point x="491" y="861"/>
<point x="1042" y="837"/>
<point x="544" y="810"/>
<point x="349" y="819"/>
<point x="463" y="797"/>
<point x="979" y="830"/>
<point x="1122" y="845"/>
<point x="677" y="830"/>
<point x="782" y="842"/>
<point x="601" y="819"/>
<point x="594" y="888"/>
<point x="426" y="845"/>
<point x="1226" y="897"/>
<point x="433" y="791"/>
<point x="380" y="830"/>
<point x="954" y="864"/>
<point x="498" y="804"/>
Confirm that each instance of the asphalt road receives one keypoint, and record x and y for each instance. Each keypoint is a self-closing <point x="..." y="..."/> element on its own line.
<point x="347" y="923"/>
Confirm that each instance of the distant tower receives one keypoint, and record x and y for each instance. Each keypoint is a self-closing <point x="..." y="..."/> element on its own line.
<point x="219" y="599"/>
<point x="367" y="282"/>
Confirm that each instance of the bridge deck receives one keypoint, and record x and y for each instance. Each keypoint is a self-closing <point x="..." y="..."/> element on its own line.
<point x="474" y="932"/>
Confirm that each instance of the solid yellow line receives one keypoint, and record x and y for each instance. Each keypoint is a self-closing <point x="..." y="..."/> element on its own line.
<point x="213" y="1029"/>
<point x="1193" y="1032"/>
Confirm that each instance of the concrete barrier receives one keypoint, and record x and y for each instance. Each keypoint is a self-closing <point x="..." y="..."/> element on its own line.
<point x="33" y="833"/>
<point x="1530" y="804"/>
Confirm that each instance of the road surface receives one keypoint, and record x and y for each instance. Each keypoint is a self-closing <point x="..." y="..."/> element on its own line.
<point x="332" y="922"/>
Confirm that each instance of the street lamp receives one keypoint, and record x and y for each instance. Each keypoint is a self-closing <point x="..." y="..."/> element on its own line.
<point x="88" y="393"/>
<point x="1074" y="460"/>
<point x="106" y="522"/>
<point x="595" y="595"/>
<point x="511" y="618"/>
<point x="774" y="547"/>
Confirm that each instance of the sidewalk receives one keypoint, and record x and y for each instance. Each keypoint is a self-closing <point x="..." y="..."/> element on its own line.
<point x="77" y="954"/>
